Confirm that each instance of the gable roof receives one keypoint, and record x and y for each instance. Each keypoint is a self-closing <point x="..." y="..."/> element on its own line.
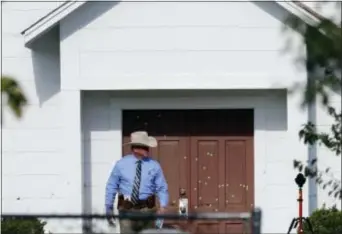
<point x="302" y="11"/>
<point x="51" y="19"/>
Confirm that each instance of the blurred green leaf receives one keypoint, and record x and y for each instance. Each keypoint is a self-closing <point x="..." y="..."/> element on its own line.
<point x="325" y="221"/>
<point x="16" y="99"/>
<point x="323" y="41"/>
<point x="22" y="226"/>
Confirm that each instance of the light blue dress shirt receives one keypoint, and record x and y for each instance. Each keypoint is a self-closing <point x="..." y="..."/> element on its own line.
<point x="122" y="177"/>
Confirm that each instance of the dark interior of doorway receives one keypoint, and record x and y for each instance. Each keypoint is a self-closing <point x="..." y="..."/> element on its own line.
<point x="195" y="122"/>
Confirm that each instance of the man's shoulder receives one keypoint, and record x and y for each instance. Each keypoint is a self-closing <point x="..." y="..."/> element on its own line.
<point x="154" y="162"/>
<point x="124" y="159"/>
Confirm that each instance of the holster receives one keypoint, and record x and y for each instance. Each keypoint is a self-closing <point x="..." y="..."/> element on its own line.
<point x="149" y="203"/>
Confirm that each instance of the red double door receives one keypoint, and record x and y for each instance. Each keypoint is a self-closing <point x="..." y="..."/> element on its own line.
<point x="209" y="153"/>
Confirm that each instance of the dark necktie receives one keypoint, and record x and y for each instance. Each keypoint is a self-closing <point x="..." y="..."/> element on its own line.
<point x="136" y="184"/>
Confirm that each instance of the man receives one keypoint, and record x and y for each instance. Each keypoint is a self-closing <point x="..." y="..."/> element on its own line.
<point x="137" y="178"/>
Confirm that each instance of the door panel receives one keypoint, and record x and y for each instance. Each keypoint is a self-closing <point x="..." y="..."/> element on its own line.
<point x="205" y="160"/>
<point x="206" y="179"/>
<point x="235" y="227"/>
<point x="239" y="181"/>
<point x="220" y="178"/>
<point x="207" y="227"/>
<point x="236" y="188"/>
<point x="172" y="156"/>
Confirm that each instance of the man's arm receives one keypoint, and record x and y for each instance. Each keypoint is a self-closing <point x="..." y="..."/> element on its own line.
<point x="162" y="188"/>
<point x="112" y="188"/>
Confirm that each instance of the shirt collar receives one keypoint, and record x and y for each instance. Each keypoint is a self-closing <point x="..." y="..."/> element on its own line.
<point x="145" y="159"/>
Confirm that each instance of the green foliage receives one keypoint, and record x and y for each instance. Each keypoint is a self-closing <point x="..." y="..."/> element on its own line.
<point x="16" y="99"/>
<point x="329" y="183"/>
<point x="332" y="140"/>
<point x="22" y="226"/>
<point x="323" y="40"/>
<point x="325" y="221"/>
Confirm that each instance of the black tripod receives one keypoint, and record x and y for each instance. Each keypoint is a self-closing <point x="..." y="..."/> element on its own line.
<point x="299" y="221"/>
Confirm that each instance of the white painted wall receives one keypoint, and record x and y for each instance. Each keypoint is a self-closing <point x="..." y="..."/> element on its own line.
<point x="276" y="142"/>
<point x="101" y="141"/>
<point x="39" y="173"/>
<point x="178" y="45"/>
<point x="30" y="147"/>
<point x="325" y="157"/>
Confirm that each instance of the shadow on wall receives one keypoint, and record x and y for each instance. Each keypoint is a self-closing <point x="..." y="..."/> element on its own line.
<point x="84" y="15"/>
<point x="282" y="15"/>
<point x="290" y="40"/>
<point x="46" y="65"/>
<point x="97" y="153"/>
<point x="276" y="107"/>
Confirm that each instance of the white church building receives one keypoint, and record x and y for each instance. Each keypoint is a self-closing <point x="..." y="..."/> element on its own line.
<point x="210" y="80"/>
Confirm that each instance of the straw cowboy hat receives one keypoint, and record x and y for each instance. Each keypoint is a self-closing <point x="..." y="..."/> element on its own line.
<point x="143" y="139"/>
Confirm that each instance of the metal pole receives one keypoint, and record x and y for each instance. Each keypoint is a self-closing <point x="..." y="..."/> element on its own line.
<point x="300" y="211"/>
<point x="253" y="217"/>
<point x="143" y="216"/>
<point x="256" y="221"/>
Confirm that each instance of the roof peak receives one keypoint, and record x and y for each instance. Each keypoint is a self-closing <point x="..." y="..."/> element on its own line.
<point x="56" y="15"/>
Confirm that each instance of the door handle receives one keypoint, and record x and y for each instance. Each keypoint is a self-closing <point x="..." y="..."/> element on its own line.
<point x="173" y="203"/>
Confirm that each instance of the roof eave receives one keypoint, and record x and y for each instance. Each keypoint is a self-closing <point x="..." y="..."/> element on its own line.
<point x="54" y="17"/>
<point x="306" y="14"/>
<point x="48" y="21"/>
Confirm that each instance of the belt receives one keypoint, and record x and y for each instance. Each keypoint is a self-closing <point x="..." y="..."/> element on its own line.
<point x="127" y="205"/>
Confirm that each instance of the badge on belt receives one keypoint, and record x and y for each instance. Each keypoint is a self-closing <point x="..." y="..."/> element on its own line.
<point x="127" y="198"/>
